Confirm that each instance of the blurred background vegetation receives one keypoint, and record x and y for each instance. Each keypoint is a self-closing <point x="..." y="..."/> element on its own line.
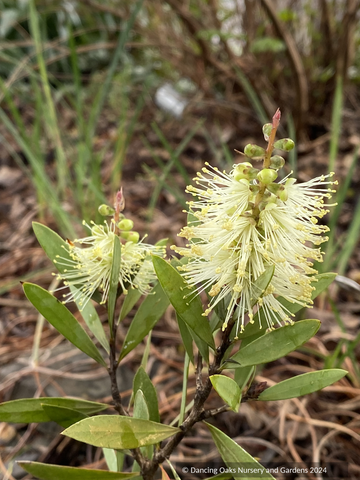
<point x="78" y="81"/>
<point x="98" y="94"/>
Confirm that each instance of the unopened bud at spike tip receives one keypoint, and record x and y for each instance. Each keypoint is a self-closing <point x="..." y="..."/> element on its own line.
<point x="276" y="118"/>
<point x="119" y="201"/>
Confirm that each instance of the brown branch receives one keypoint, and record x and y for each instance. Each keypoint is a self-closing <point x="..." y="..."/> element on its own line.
<point x="197" y="413"/>
<point x="115" y="393"/>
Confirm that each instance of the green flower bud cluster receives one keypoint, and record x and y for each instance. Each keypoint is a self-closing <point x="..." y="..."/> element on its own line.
<point x="125" y="225"/>
<point x="261" y="182"/>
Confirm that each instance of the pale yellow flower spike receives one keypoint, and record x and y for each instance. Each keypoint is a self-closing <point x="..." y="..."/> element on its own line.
<point x="247" y="223"/>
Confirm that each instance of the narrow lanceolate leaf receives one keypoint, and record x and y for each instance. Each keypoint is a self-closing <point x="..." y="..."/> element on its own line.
<point x="52" y="244"/>
<point x="56" y="472"/>
<point x="275" y="344"/>
<point x="131" y="298"/>
<point x="92" y="320"/>
<point x="114" y="459"/>
<point x="141" y="409"/>
<point x="236" y="458"/>
<point x="186" y="338"/>
<point x="261" y="284"/>
<point x="228" y="390"/>
<point x="142" y="382"/>
<point x="114" y="280"/>
<point x="119" y="432"/>
<point x="62" y="319"/>
<point x="148" y="314"/>
<point x="62" y="415"/>
<point x="302" y="384"/>
<point x="188" y="308"/>
<point x="30" y="410"/>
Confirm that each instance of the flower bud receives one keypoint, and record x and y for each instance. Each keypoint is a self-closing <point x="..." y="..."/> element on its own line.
<point x="254" y="189"/>
<point x="106" y="211"/>
<point x="267" y="176"/>
<point x="254" y="151"/>
<point x="97" y="230"/>
<point x="275" y="188"/>
<point x="284" y="144"/>
<point x="284" y="194"/>
<point x="276" y="162"/>
<point x="126" y="224"/>
<point x="290" y="181"/>
<point x="239" y="170"/>
<point x="133" y="237"/>
<point x="267" y="130"/>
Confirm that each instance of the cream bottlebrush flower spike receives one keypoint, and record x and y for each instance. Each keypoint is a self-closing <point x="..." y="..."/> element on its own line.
<point x="90" y="266"/>
<point x="245" y="223"/>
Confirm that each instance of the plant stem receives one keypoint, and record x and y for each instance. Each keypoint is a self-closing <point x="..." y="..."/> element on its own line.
<point x="198" y="413"/>
<point x="115" y="393"/>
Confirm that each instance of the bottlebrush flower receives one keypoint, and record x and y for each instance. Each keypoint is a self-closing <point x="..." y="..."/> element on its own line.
<point x="89" y="267"/>
<point x="245" y="223"/>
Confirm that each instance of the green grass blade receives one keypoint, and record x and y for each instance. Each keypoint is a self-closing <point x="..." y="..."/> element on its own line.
<point x="336" y="122"/>
<point x="49" y="111"/>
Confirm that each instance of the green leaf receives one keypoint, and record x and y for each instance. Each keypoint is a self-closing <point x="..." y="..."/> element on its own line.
<point x="235" y="456"/>
<point x="186" y="338"/>
<point x="201" y="345"/>
<point x="62" y="319"/>
<point x="243" y="375"/>
<point x="261" y="284"/>
<point x="189" y="308"/>
<point x="131" y="298"/>
<point x="56" y="472"/>
<point x="92" y="320"/>
<point x="228" y="390"/>
<point x="302" y="384"/>
<point x="52" y="244"/>
<point x="148" y="314"/>
<point x="62" y="415"/>
<point x="114" y="281"/>
<point x="119" y="432"/>
<point x="141" y="409"/>
<point x="142" y="382"/>
<point x="114" y="459"/>
<point x="30" y="410"/>
<point x="276" y="344"/>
